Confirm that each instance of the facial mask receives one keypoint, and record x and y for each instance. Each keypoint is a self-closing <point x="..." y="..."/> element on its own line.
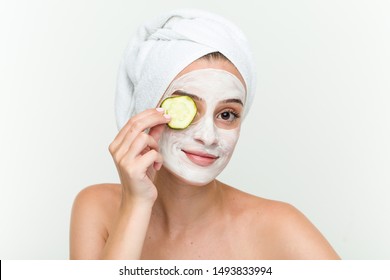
<point x="199" y="153"/>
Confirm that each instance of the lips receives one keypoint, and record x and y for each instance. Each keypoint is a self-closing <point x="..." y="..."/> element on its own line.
<point x="200" y="158"/>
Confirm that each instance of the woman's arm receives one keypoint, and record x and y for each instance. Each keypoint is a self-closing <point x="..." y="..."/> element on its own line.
<point x="137" y="158"/>
<point x="88" y="227"/>
<point x="92" y="214"/>
<point x="129" y="231"/>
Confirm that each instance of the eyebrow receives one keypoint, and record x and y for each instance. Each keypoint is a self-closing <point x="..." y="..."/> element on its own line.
<point x="233" y="100"/>
<point x="181" y="92"/>
<point x="195" y="97"/>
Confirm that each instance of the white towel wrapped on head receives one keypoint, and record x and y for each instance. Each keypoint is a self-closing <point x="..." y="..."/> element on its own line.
<point x="165" y="46"/>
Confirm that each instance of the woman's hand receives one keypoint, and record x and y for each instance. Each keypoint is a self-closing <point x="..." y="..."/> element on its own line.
<point x="136" y="155"/>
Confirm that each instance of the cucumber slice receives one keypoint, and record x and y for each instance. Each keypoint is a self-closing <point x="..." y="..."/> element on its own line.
<point x="182" y="110"/>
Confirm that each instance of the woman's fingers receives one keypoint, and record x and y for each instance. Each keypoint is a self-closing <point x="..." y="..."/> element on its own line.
<point x="144" y="144"/>
<point x="151" y="158"/>
<point x="139" y="123"/>
<point x="141" y="143"/>
<point x="136" y="153"/>
<point x="134" y="119"/>
<point x="137" y="168"/>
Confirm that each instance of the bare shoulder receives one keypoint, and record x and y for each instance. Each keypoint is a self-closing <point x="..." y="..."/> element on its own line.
<point x="99" y="201"/>
<point x="296" y="236"/>
<point x="92" y="214"/>
<point x="100" y="194"/>
<point x="279" y="228"/>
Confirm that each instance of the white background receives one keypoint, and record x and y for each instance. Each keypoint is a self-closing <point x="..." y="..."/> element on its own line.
<point x="317" y="137"/>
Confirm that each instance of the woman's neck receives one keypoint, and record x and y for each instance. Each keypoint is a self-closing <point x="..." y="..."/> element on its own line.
<point x="181" y="206"/>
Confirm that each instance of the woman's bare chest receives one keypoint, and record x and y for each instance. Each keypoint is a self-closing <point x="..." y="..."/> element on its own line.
<point x="211" y="243"/>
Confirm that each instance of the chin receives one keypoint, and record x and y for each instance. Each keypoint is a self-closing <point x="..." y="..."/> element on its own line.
<point x="188" y="180"/>
<point x="195" y="183"/>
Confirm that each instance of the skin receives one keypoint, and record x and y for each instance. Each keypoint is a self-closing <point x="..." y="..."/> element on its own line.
<point x="154" y="214"/>
<point x="215" y="129"/>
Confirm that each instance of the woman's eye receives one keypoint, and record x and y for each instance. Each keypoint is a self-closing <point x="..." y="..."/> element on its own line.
<point x="228" y="116"/>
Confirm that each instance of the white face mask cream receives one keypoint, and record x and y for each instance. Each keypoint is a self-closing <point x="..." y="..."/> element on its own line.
<point x="199" y="153"/>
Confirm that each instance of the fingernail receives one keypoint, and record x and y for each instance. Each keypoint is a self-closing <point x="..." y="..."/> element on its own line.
<point x="167" y="116"/>
<point x="160" y="110"/>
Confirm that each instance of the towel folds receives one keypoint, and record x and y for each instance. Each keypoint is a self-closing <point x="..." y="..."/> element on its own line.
<point x="164" y="46"/>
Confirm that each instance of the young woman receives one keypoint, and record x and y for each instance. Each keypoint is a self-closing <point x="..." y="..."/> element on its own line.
<point x="169" y="204"/>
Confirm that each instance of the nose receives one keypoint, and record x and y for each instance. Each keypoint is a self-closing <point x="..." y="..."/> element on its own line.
<point x="206" y="133"/>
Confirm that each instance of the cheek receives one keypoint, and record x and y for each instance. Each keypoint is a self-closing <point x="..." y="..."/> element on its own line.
<point x="167" y="139"/>
<point x="174" y="140"/>
<point x="171" y="139"/>
<point x="181" y="136"/>
<point x="228" y="140"/>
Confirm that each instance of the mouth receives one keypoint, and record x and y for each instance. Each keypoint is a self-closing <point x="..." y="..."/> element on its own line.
<point x="200" y="158"/>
